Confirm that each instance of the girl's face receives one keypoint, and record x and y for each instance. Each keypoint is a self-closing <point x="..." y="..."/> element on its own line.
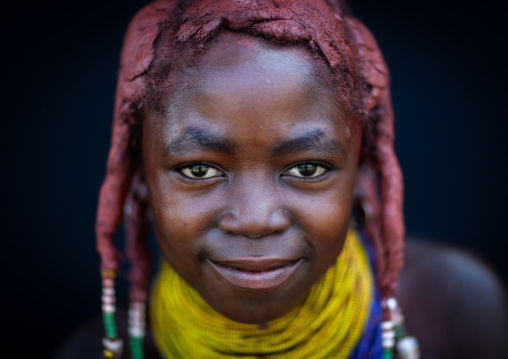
<point x="250" y="172"/>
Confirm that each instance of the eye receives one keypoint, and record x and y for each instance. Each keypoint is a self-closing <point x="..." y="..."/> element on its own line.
<point x="199" y="171"/>
<point x="306" y="170"/>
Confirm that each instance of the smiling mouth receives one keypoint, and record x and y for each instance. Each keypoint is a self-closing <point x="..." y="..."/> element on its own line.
<point x="256" y="274"/>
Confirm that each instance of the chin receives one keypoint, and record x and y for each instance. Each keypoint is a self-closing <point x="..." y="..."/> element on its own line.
<point x="255" y="308"/>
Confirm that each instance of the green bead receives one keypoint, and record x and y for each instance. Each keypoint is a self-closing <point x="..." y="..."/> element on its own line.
<point x="387" y="354"/>
<point x="111" y="326"/>
<point x="108" y="316"/>
<point x="136" y="346"/>
<point x="400" y="331"/>
<point x="108" y="320"/>
<point x="136" y="343"/>
<point x="137" y="354"/>
<point x="110" y="331"/>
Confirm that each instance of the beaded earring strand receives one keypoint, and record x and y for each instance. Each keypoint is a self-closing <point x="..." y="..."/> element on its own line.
<point x="137" y="320"/>
<point x="394" y="334"/>
<point x="387" y="332"/>
<point x="112" y="344"/>
<point x="136" y="224"/>
<point x="407" y="346"/>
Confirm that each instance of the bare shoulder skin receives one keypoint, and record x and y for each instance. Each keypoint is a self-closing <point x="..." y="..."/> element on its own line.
<point x="452" y="302"/>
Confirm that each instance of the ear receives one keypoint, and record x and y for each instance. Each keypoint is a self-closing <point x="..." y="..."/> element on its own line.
<point x="366" y="197"/>
<point x="366" y="206"/>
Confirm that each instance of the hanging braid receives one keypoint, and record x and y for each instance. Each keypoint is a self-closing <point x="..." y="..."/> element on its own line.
<point x="168" y="32"/>
<point x="379" y="154"/>
<point x="120" y="169"/>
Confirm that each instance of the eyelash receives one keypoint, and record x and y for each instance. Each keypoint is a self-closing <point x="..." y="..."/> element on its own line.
<point x="323" y="168"/>
<point x="185" y="171"/>
<point x="188" y="167"/>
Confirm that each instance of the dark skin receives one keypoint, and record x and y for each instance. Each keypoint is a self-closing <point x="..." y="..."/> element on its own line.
<point x="263" y="181"/>
<point x="266" y="178"/>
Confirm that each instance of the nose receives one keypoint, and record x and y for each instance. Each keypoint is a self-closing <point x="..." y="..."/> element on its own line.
<point x="255" y="210"/>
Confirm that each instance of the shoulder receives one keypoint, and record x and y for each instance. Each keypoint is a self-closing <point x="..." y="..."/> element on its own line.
<point x="86" y="341"/>
<point x="453" y="303"/>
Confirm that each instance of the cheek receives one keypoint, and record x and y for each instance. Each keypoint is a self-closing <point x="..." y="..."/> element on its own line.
<point x="180" y="218"/>
<point x="173" y="218"/>
<point x="329" y="220"/>
<point x="176" y="233"/>
<point x="326" y="220"/>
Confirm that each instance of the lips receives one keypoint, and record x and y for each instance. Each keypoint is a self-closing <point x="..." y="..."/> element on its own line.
<point x="256" y="273"/>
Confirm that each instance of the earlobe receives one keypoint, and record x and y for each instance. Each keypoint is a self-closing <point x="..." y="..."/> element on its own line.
<point x="362" y="212"/>
<point x="365" y="198"/>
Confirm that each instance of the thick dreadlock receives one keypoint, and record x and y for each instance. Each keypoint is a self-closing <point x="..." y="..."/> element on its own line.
<point x="327" y="28"/>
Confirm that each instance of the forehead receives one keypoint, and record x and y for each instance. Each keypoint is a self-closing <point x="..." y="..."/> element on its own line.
<point x="255" y="61"/>
<point x="234" y="55"/>
<point x="241" y="79"/>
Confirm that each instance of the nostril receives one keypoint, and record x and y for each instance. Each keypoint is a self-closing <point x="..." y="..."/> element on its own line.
<point x="255" y="236"/>
<point x="253" y="224"/>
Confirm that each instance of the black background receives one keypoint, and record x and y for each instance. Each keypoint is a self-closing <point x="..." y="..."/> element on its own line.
<point x="449" y="74"/>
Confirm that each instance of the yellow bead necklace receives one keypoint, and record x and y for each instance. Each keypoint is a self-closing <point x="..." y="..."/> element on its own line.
<point x="327" y="323"/>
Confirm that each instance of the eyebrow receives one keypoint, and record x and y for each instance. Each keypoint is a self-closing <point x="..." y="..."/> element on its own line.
<point x="196" y="139"/>
<point x="315" y="141"/>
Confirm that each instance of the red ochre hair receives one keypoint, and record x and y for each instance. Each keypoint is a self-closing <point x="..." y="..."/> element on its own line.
<point x="330" y="31"/>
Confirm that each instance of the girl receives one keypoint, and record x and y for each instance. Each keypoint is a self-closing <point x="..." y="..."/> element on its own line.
<point x="247" y="132"/>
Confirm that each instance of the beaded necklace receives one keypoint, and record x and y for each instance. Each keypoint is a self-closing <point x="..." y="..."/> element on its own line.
<point x="328" y="322"/>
